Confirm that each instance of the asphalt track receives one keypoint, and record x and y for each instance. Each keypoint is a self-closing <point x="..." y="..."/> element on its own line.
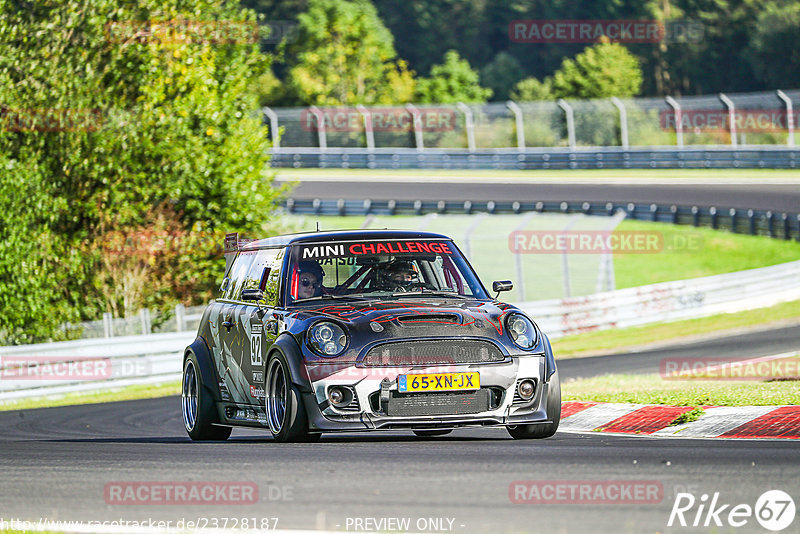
<point x="56" y="462"/>
<point x="761" y="342"/>
<point x="776" y="197"/>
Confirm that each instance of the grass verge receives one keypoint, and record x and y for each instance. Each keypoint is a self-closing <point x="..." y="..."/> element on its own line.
<point x="690" y="252"/>
<point x="111" y="395"/>
<point x="606" y="341"/>
<point x="686" y="252"/>
<point x="652" y="389"/>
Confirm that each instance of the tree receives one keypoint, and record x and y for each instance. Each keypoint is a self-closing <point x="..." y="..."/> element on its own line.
<point x="452" y="81"/>
<point x="344" y="54"/>
<point x="108" y="117"/>
<point x="600" y="71"/>
<point x="501" y="74"/>
<point x="531" y="90"/>
<point x="773" y="51"/>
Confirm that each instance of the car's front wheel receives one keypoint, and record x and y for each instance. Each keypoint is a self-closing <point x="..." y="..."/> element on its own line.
<point x="197" y="405"/>
<point x="553" y="411"/>
<point x="286" y="414"/>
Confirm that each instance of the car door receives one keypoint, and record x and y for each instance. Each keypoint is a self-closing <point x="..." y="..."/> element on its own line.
<point x="256" y="325"/>
<point x="233" y="385"/>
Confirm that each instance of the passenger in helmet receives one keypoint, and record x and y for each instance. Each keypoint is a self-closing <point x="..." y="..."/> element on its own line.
<point x="309" y="281"/>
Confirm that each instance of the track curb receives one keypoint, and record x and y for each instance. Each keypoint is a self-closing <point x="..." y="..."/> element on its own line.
<point x="749" y="422"/>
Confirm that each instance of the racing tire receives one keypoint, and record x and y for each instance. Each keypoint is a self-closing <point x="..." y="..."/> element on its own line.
<point x="545" y="430"/>
<point x="432" y="433"/>
<point x="286" y="414"/>
<point x="197" y="405"/>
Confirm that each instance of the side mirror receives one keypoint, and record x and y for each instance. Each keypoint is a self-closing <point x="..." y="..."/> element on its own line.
<point x="252" y="294"/>
<point x="499" y="286"/>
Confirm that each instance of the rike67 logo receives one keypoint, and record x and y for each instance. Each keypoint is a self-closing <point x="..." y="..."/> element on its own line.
<point x="774" y="510"/>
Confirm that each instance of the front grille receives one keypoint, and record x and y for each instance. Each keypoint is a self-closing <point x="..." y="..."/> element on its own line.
<point x="420" y="404"/>
<point x="433" y="352"/>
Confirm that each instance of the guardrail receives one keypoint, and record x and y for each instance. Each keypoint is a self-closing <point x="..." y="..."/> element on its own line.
<point x="668" y="301"/>
<point x="90" y="364"/>
<point x="157" y="357"/>
<point x="779" y="225"/>
<point x="708" y="157"/>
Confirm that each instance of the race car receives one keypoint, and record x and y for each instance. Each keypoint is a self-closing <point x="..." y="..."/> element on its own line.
<point x="364" y="330"/>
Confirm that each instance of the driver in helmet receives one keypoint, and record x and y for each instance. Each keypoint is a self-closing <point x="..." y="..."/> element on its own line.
<point x="400" y="274"/>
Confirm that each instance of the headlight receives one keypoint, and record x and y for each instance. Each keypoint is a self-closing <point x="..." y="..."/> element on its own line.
<point x="521" y="330"/>
<point x="327" y="339"/>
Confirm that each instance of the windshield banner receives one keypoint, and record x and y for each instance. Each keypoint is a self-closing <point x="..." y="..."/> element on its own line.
<point x="373" y="248"/>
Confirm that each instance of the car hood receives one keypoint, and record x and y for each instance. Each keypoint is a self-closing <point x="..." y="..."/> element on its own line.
<point x="412" y="314"/>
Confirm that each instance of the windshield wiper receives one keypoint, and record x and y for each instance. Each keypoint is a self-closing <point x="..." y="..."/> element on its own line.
<point x="334" y="297"/>
<point x="430" y="292"/>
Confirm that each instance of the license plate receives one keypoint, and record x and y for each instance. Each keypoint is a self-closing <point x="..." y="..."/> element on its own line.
<point x="438" y="382"/>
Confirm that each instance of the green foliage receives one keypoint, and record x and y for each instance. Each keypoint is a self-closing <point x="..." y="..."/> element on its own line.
<point x="344" y="54"/>
<point x="687" y="417"/>
<point x="501" y="74"/>
<point x="452" y="81"/>
<point x="600" y="71"/>
<point x="773" y="50"/>
<point x="114" y="128"/>
<point x="532" y="90"/>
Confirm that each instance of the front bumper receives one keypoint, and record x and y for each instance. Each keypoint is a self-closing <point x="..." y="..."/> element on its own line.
<point x="367" y="382"/>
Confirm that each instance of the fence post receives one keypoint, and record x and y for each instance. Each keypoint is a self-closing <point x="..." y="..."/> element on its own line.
<point x="470" y="125"/>
<point x="787" y="229"/>
<point x="180" y="314"/>
<point x="789" y="116"/>
<point x="144" y="314"/>
<point x="108" y="325"/>
<point x="417" y="119"/>
<point x="518" y="119"/>
<point x="273" y="126"/>
<point x="570" y="122"/>
<point x="731" y="118"/>
<point x="368" y="132"/>
<point x="468" y="233"/>
<point x="623" y="121"/>
<point x="678" y="120"/>
<point x="770" y="223"/>
<point x="323" y="140"/>
<point x="520" y="284"/>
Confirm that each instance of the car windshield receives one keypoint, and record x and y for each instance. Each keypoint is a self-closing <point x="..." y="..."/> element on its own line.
<point x="395" y="268"/>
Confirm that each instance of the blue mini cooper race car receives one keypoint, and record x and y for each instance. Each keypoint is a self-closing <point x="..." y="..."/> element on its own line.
<point x="364" y="330"/>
